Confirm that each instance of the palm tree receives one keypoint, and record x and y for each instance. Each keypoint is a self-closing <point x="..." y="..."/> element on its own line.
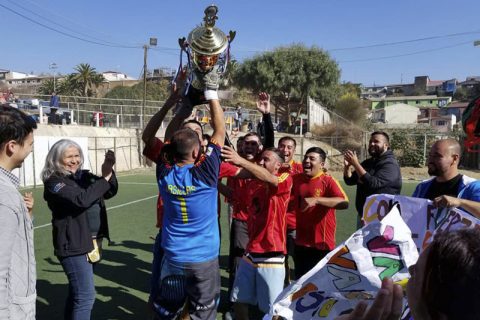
<point x="87" y="78"/>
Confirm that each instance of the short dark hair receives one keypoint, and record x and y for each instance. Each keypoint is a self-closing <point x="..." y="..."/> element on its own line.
<point x="14" y="125"/>
<point x="277" y="153"/>
<point x="193" y="121"/>
<point x="320" y="151"/>
<point x="451" y="280"/>
<point x="286" y="138"/>
<point x="382" y="133"/>
<point x="253" y="134"/>
<point x="183" y="142"/>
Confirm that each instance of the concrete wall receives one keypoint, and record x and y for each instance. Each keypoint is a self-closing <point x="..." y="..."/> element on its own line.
<point x="94" y="142"/>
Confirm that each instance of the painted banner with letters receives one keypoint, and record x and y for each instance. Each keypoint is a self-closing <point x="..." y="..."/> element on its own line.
<point x="351" y="272"/>
<point x="423" y="219"/>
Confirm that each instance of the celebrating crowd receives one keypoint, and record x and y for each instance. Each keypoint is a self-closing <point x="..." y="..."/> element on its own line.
<point x="278" y="208"/>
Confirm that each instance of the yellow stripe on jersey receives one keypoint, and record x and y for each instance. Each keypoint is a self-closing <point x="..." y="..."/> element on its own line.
<point x="341" y="189"/>
<point x="183" y="209"/>
<point x="283" y="177"/>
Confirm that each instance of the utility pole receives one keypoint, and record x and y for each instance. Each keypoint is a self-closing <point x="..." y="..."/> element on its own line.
<point x="153" y="43"/>
<point x="53" y="66"/>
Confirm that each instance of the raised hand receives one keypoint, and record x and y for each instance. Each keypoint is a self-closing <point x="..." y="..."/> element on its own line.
<point x="263" y="103"/>
<point x="230" y="155"/>
<point x="107" y="166"/>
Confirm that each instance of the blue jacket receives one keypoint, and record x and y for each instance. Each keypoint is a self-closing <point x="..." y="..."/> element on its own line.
<point x="422" y="188"/>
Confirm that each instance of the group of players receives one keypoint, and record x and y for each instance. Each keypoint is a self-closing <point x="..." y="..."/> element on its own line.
<point x="277" y="206"/>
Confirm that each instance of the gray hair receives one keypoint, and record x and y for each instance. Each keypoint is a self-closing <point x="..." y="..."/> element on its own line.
<point x="53" y="162"/>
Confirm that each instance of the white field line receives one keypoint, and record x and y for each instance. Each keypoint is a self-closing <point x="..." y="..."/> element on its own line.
<point x="110" y="208"/>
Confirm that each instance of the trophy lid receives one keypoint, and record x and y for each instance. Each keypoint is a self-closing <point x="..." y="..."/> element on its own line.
<point x="207" y="39"/>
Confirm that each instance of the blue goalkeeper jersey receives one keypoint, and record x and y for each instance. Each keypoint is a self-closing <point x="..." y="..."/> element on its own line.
<point x="190" y="219"/>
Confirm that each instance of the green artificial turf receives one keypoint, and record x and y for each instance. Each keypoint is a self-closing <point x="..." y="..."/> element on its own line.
<point x="122" y="277"/>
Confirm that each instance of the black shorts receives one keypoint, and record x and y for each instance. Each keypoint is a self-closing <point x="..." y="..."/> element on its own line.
<point x="201" y="287"/>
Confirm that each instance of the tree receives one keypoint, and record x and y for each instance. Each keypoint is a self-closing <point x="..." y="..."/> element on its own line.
<point x="351" y="107"/>
<point x="461" y="94"/>
<point x="350" y="88"/>
<point x="46" y="88"/>
<point x="87" y="78"/>
<point x="291" y="74"/>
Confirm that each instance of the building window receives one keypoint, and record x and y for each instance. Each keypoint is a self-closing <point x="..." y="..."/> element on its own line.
<point x="441" y="123"/>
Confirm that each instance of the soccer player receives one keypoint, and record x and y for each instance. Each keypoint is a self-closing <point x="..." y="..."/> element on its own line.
<point x="315" y="196"/>
<point x="287" y="146"/>
<point x="260" y="274"/>
<point x="190" y="237"/>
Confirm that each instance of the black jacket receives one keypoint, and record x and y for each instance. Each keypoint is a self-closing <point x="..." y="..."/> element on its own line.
<point x="69" y="197"/>
<point x="383" y="176"/>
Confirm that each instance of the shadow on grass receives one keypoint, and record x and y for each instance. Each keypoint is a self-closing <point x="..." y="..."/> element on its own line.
<point x="121" y="282"/>
<point x="51" y="299"/>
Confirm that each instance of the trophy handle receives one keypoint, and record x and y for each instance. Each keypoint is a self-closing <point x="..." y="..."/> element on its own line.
<point x="183" y="43"/>
<point x="231" y="35"/>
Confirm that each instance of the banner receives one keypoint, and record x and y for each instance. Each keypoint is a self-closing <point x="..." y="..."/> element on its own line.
<point x="423" y="219"/>
<point x="351" y="272"/>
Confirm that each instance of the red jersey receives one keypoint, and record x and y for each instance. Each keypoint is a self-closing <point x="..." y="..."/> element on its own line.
<point x="228" y="170"/>
<point x="242" y="194"/>
<point x="153" y="152"/>
<point x="267" y="228"/>
<point x="316" y="226"/>
<point x="293" y="168"/>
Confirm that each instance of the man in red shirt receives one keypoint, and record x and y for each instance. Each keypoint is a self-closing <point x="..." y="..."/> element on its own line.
<point x="287" y="146"/>
<point x="260" y="275"/>
<point x="316" y="195"/>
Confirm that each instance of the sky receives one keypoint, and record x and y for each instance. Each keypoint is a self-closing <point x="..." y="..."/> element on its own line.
<point x="373" y="42"/>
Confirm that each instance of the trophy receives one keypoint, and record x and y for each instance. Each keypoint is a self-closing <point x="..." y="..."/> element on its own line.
<point x="207" y="50"/>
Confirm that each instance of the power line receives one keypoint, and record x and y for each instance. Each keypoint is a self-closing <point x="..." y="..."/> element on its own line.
<point x="407" y="54"/>
<point x="407" y="41"/>
<point x="65" y="33"/>
<point x="60" y="25"/>
<point x="64" y="18"/>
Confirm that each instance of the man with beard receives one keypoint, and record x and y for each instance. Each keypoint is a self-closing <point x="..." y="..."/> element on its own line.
<point x="315" y="196"/>
<point x="443" y="161"/>
<point x="260" y="274"/>
<point x="378" y="174"/>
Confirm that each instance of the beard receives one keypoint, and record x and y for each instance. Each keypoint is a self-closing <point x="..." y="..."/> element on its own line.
<point x="375" y="152"/>
<point x="433" y="171"/>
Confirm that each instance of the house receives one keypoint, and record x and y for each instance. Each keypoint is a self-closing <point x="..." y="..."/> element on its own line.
<point x="443" y="123"/>
<point x="399" y="113"/>
<point x="116" y="76"/>
<point x="14" y="78"/>
<point x="415" y="101"/>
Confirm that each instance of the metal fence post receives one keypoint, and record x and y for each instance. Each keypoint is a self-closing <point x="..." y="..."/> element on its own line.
<point x="115" y="151"/>
<point x="424" y="148"/>
<point x="96" y="156"/>
<point x="130" y="149"/>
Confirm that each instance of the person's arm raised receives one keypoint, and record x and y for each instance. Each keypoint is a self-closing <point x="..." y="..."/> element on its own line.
<point x="156" y="121"/>
<point x="218" y="121"/>
<point x="257" y="171"/>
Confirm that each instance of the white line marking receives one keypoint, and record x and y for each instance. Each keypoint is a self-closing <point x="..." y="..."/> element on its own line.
<point x="109" y="208"/>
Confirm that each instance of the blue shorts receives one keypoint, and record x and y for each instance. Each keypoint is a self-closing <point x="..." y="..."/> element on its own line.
<point x="259" y="281"/>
